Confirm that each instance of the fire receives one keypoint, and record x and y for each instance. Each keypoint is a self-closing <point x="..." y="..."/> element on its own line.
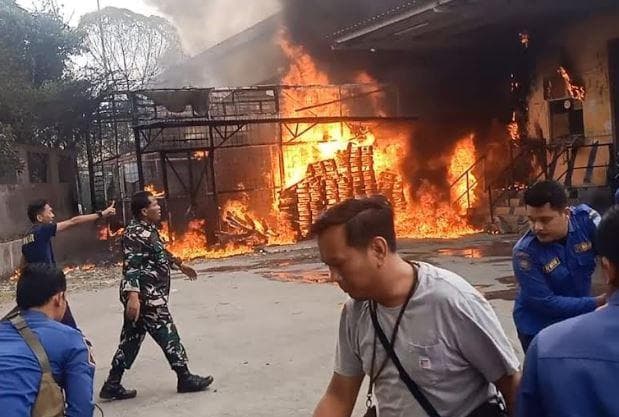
<point x="106" y="233"/>
<point x="575" y="91"/>
<point x="524" y="39"/>
<point x="83" y="268"/>
<point x="87" y="267"/>
<point x="319" y="101"/>
<point x="69" y="268"/>
<point x="327" y="163"/>
<point x="200" y="155"/>
<point x="430" y="217"/>
<point x="193" y="243"/>
<point x="513" y="129"/>
<point x="151" y="189"/>
<point x="15" y="276"/>
<point x="190" y="244"/>
<point x="463" y="157"/>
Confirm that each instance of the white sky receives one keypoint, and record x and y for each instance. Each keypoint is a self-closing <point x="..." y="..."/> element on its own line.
<point x="76" y="8"/>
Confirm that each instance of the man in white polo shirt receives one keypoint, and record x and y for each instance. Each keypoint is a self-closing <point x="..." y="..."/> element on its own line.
<point x="436" y="348"/>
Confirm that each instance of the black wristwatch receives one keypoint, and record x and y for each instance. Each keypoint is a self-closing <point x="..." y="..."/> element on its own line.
<point x="99" y="213"/>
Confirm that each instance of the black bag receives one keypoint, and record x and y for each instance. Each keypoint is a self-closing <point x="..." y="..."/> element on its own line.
<point x="491" y="408"/>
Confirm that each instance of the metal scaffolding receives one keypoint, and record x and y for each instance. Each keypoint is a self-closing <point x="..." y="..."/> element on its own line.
<point x="183" y="132"/>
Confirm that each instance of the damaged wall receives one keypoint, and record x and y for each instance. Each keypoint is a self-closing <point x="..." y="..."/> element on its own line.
<point x="49" y="181"/>
<point x="583" y="49"/>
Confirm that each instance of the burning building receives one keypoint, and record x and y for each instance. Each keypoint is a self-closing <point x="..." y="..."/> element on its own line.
<point x="506" y="93"/>
<point x="261" y="163"/>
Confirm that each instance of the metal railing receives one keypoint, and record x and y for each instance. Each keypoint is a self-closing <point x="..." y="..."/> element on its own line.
<point x="571" y="167"/>
<point x="470" y="185"/>
<point x="506" y="184"/>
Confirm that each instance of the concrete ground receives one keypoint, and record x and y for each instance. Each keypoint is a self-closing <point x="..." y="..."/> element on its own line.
<point x="264" y="326"/>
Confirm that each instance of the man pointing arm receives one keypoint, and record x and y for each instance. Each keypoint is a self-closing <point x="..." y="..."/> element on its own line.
<point x="37" y="244"/>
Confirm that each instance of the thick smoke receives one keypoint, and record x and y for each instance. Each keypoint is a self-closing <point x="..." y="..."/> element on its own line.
<point x="204" y="23"/>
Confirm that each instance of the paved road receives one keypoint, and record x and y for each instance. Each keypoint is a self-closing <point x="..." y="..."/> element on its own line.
<point x="263" y="329"/>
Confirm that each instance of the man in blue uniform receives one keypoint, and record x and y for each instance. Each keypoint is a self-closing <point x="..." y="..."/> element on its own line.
<point x="37" y="244"/>
<point x="571" y="367"/>
<point x="42" y="303"/>
<point x="553" y="262"/>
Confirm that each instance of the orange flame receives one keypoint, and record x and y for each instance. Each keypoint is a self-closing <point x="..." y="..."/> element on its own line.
<point x="319" y="142"/>
<point x="524" y="39"/>
<point x="513" y="129"/>
<point x="151" y="189"/>
<point x="193" y="243"/>
<point x="326" y="142"/>
<point x="575" y="91"/>
<point x="69" y="268"/>
<point x="105" y="233"/>
<point x="431" y="218"/>
<point x="87" y="267"/>
<point x="200" y="155"/>
<point x="318" y="158"/>
<point x="463" y="158"/>
<point x="15" y="276"/>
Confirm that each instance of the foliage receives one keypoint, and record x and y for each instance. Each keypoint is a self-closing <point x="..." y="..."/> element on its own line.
<point x="39" y="97"/>
<point x="9" y="157"/>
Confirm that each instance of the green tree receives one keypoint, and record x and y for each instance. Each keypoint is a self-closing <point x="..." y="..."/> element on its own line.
<point x="41" y="99"/>
<point x="9" y="158"/>
<point x="35" y="48"/>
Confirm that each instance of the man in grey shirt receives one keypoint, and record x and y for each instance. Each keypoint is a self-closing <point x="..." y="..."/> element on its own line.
<point x="448" y="340"/>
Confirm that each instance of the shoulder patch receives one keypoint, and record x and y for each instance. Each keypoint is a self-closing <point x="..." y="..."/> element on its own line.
<point x="583" y="246"/>
<point x="552" y="265"/>
<point x="595" y="217"/>
<point x="91" y="356"/>
<point x="523" y="260"/>
<point x="145" y="234"/>
<point x="29" y="238"/>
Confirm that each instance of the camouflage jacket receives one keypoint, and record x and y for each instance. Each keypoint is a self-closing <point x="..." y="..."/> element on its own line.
<point x="146" y="264"/>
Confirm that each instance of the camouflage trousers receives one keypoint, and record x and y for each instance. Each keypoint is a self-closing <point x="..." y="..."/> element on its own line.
<point x="157" y="322"/>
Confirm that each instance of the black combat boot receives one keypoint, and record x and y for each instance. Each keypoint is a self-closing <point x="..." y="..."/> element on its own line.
<point x="113" y="390"/>
<point x="187" y="382"/>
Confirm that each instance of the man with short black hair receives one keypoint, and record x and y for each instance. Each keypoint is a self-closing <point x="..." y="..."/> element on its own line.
<point x="144" y="291"/>
<point x="553" y="262"/>
<point x="445" y="336"/>
<point x="571" y="367"/>
<point x="37" y="244"/>
<point x="41" y="298"/>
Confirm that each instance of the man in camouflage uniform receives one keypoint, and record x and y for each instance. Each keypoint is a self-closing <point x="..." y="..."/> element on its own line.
<point x="144" y="292"/>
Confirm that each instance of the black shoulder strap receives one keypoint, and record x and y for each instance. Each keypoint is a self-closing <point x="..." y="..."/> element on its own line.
<point x="412" y="386"/>
<point x="32" y="341"/>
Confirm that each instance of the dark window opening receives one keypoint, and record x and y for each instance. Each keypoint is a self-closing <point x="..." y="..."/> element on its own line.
<point x="566" y="120"/>
<point x="38" y="164"/>
<point x="65" y="169"/>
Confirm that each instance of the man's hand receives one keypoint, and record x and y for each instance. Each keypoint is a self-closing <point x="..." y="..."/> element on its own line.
<point x="508" y="387"/>
<point x="110" y="211"/>
<point x="340" y="398"/>
<point x="133" y="307"/>
<point x="189" y="271"/>
<point x="600" y="300"/>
